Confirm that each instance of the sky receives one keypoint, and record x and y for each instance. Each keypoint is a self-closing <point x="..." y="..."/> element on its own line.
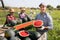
<point x="30" y="3"/>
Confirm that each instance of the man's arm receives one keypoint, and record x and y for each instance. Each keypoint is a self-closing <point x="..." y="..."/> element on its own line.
<point x="50" y="23"/>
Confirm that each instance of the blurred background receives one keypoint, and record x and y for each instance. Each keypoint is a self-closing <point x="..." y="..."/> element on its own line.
<point x="53" y="7"/>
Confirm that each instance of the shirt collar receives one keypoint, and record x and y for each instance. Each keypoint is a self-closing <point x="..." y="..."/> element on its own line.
<point x="43" y="13"/>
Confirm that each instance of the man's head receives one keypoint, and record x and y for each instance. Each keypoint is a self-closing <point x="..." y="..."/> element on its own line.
<point x="23" y="10"/>
<point x="11" y="11"/>
<point x="42" y="7"/>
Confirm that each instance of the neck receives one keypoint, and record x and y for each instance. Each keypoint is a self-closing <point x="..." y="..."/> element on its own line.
<point x="11" y="14"/>
<point x="43" y="13"/>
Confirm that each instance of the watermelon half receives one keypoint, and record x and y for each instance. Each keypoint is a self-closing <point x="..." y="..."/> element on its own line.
<point x="23" y="33"/>
<point x="38" y="23"/>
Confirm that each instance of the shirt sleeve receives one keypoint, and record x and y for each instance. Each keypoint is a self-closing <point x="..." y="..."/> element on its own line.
<point x="36" y="17"/>
<point x="50" y="22"/>
<point x="19" y="16"/>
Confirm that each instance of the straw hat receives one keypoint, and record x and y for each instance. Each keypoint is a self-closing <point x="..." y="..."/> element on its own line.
<point x="11" y="10"/>
<point x="23" y="9"/>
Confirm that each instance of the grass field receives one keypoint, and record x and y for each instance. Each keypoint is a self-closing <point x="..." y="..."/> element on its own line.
<point x="52" y="34"/>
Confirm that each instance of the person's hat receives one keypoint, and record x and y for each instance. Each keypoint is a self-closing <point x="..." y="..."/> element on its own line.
<point x="23" y="9"/>
<point x="11" y="10"/>
<point x="42" y="4"/>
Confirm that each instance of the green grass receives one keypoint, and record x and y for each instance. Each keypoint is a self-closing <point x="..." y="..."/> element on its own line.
<point x="55" y="34"/>
<point x="52" y="34"/>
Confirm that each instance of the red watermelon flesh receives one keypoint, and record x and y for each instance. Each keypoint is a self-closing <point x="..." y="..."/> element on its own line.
<point x="24" y="33"/>
<point x="38" y="23"/>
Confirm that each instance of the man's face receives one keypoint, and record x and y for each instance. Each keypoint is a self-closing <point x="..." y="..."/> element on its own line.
<point x="43" y="8"/>
<point x="11" y="13"/>
<point x="22" y="11"/>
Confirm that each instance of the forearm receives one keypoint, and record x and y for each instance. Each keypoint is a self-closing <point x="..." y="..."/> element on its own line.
<point x="48" y="28"/>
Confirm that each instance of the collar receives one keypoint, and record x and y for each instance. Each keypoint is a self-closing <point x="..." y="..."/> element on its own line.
<point x="43" y="13"/>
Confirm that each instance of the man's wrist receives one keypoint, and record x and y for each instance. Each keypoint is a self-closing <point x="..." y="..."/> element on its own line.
<point x="42" y="28"/>
<point x="46" y="28"/>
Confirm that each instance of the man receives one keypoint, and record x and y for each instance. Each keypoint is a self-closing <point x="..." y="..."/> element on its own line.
<point x="23" y="16"/>
<point x="10" y="19"/>
<point x="32" y="14"/>
<point x="47" y="22"/>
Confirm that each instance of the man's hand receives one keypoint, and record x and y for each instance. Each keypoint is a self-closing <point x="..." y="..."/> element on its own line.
<point x="46" y="28"/>
<point x="43" y="28"/>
